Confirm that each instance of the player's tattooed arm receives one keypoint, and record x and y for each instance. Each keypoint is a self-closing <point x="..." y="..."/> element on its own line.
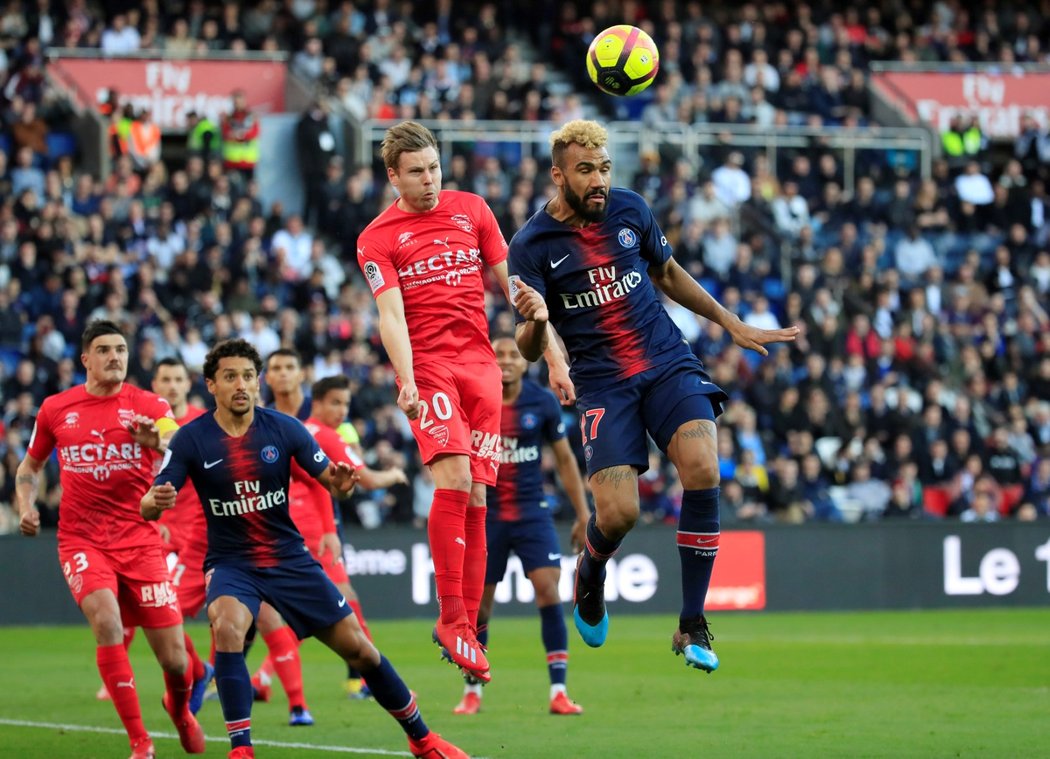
<point x="27" y="485"/>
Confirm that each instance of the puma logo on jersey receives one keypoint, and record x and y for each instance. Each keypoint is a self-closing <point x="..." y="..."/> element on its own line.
<point x="442" y="242"/>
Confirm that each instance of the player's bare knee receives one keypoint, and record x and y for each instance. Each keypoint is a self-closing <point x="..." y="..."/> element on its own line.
<point x="229" y="635"/>
<point x="108" y="629"/>
<point x="701" y="474"/>
<point x="173" y="659"/>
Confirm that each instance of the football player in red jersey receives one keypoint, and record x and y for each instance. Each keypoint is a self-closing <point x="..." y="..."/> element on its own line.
<point x="423" y="258"/>
<point x="105" y="432"/>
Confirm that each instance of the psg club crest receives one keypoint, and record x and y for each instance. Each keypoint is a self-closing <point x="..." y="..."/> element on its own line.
<point x="269" y="454"/>
<point x="627" y="237"/>
<point x="529" y="421"/>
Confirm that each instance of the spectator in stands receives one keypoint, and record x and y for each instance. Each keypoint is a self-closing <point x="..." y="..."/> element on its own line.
<point x="240" y="139"/>
<point x="291" y="248"/>
<point x="732" y="184"/>
<point x="974" y="187"/>
<point x="315" y="147"/>
<point x="120" y="37"/>
<point x="914" y="256"/>
<point x="790" y="211"/>
<point x="144" y="141"/>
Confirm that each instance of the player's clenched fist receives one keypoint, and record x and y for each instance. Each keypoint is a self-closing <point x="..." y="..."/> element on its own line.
<point x="29" y="524"/>
<point x="530" y="303"/>
<point x="408" y="400"/>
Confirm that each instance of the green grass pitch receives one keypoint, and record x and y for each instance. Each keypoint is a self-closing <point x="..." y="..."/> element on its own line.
<point x="921" y="684"/>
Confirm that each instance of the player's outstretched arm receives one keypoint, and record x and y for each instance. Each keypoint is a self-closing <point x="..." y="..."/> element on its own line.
<point x="675" y="282"/>
<point x="27" y="485"/>
<point x="157" y="500"/>
<point x="340" y="479"/>
<point x="393" y="330"/>
<point x="572" y="482"/>
<point x="380" y="479"/>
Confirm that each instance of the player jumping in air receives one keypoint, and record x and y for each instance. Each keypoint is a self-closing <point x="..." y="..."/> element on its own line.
<point x="593" y="259"/>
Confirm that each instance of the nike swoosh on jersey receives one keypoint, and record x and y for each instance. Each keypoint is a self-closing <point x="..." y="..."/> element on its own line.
<point x="553" y="556"/>
<point x="342" y="602"/>
<point x="560" y="261"/>
<point x="210" y="464"/>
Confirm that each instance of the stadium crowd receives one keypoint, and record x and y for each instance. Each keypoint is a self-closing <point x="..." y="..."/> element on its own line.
<point x="920" y="387"/>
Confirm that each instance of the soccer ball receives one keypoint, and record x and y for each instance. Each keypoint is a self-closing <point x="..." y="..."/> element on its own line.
<point x="622" y="60"/>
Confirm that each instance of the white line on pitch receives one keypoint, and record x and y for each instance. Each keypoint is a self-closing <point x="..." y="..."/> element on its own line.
<point x="273" y="744"/>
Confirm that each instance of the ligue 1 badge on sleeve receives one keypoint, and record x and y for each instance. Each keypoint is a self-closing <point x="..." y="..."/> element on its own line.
<point x="513" y="281"/>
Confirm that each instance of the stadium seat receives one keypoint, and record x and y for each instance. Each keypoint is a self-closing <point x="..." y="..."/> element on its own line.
<point x="1009" y="499"/>
<point x="61" y="144"/>
<point x="935" y="500"/>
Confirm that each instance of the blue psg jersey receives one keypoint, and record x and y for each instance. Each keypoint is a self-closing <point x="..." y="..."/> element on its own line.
<point x="532" y="420"/>
<point x="243" y="482"/>
<point x="598" y="292"/>
<point x="304" y="410"/>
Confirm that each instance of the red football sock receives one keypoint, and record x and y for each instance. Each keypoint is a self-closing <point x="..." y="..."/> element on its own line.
<point x="448" y="543"/>
<point x="179" y="687"/>
<point x="196" y="666"/>
<point x="265" y="667"/>
<point x="356" y="606"/>
<point x="115" y="668"/>
<point x="474" y="562"/>
<point x="284" y="650"/>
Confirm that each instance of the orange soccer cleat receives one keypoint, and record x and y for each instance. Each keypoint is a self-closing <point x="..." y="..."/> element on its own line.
<point x="470" y="704"/>
<point x="191" y="734"/>
<point x="561" y="704"/>
<point x="460" y="646"/>
<point x="433" y="746"/>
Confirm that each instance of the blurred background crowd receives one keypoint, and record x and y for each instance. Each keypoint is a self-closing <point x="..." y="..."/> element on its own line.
<point x="919" y="388"/>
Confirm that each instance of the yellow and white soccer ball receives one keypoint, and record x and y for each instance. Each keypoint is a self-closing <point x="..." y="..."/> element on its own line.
<point x="622" y="60"/>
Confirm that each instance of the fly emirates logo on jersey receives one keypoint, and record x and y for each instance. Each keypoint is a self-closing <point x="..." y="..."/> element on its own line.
<point x="100" y="459"/>
<point x="442" y="265"/>
<point x="249" y="498"/>
<point x="605" y="288"/>
<point x="513" y="454"/>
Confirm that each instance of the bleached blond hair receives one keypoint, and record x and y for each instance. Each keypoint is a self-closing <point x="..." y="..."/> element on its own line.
<point x="582" y="132"/>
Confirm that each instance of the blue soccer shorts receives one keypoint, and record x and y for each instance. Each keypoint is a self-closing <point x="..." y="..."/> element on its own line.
<point x="616" y="419"/>
<point x="298" y="588"/>
<point x="534" y="541"/>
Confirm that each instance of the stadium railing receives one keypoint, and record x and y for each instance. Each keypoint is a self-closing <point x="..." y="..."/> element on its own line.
<point x="512" y="140"/>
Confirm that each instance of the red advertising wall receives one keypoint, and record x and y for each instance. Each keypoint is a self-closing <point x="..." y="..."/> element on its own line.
<point x="173" y="88"/>
<point x="997" y="99"/>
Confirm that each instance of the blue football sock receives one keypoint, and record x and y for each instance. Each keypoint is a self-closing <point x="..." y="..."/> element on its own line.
<point x="598" y="551"/>
<point x="234" y="684"/>
<point x="390" y="692"/>
<point x="555" y="641"/>
<point x="698" y="533"/>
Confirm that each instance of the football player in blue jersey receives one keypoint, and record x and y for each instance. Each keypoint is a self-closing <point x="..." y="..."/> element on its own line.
<point x="239" y="459"/>
<point x="519" y="518"/>
<point x="594" y="258"/>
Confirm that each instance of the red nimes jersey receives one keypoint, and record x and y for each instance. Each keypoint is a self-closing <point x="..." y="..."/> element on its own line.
<point x="104" y="472"/>
<point x="186" y="522"/>
<point x="436" y="258"/>
<point x="311" y="502"/>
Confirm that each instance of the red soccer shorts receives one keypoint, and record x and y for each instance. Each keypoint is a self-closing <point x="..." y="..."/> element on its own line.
<point x="187" y="577"/>
<point x="331" y="564"/>
<point x="138" y="577"/>
<point x="459" y="413"/>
